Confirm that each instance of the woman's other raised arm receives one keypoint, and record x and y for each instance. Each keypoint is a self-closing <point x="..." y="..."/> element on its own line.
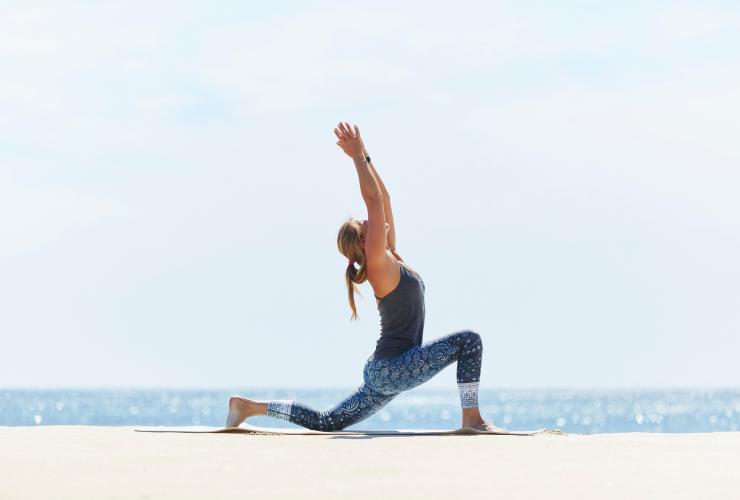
<point x="388" y="211"/>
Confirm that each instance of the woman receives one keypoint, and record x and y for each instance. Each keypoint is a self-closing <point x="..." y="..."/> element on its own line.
<point x="399" y="362"/>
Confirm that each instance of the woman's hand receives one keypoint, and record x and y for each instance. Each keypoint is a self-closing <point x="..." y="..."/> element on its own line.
<point x="350" y="141"/>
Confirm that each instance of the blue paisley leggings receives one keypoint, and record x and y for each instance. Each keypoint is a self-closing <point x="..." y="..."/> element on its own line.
<point x="385" y="378"/>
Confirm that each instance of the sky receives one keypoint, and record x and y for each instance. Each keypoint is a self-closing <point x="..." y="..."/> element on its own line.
<point x="564" y="176"/>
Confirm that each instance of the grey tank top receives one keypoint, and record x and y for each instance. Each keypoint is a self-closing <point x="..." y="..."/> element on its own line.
<point x="401" y="316"/>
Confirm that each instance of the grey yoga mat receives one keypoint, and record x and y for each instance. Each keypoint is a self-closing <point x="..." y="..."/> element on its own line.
<point x="251" y="429"/>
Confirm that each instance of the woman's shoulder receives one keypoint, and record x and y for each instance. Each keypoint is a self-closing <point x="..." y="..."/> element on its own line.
<point x="400" y="262"/>
<point x="386" y="277"/>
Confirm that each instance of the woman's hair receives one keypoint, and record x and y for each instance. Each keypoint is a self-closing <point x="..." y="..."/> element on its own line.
<point x="352" y="246"/>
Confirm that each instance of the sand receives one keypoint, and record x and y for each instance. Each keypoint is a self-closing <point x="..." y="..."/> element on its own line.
<point x="79" y="462"/>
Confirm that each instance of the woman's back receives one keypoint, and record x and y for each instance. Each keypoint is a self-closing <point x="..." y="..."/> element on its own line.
<point x="402" y="315"/>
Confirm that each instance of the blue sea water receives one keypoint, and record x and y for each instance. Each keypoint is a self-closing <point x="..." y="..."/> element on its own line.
<point x="574" y="411"/>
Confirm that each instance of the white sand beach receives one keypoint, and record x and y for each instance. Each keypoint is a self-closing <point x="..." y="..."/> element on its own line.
<point x="79" y="462"/>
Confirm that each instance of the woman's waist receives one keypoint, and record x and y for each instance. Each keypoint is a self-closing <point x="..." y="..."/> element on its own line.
<point x="399" y="337"/>
<point x="390" y="346"/>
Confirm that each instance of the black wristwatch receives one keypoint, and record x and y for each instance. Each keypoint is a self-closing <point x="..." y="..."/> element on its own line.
<point x="367" y="158"/>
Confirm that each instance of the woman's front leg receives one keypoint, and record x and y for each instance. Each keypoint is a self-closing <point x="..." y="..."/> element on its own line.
<point x="419" y="364"/>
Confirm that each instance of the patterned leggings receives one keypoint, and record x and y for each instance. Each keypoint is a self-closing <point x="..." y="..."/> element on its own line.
<point x="385" y="378"/>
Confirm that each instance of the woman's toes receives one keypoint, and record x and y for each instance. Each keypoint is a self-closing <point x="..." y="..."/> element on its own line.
<point x="488" y="426"/>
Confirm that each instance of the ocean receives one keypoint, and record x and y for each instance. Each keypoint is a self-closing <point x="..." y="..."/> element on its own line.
<point x="573" y="411"/>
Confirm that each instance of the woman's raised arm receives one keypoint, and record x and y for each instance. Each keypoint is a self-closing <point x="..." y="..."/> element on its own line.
<point x="351" y="144"/>
<point x="386" y="206"/>
<point x="375" y="239"/>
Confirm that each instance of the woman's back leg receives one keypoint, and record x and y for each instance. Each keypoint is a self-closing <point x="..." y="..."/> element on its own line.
<point x="356" y="407"/>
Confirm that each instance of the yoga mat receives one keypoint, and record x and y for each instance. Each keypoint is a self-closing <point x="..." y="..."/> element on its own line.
<point x="251" y="429"/>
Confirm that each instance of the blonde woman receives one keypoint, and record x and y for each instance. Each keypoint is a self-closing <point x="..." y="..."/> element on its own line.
<point x="400" y="361"/>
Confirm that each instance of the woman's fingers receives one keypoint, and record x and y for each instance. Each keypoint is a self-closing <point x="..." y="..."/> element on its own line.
<point x="343" y="130"/>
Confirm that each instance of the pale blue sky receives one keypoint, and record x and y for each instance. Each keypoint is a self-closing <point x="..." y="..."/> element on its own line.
<point x="564" y="176"/>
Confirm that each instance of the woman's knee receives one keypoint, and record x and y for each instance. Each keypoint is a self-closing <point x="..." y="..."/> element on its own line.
<point x="332" y="427"/>
<point x="471" y="340"/>
<point x="335" y="427"/>
<point x="471" y="336"/>
<point x="330" y="422"/>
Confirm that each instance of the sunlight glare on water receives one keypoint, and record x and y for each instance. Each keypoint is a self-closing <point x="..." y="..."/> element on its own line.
<point x="572" y="411"/>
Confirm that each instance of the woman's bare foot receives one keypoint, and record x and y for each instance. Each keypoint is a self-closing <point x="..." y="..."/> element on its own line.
<point x="485" y="425"/>
<point x="473" y="419"/>
<point x="241" y="409"/>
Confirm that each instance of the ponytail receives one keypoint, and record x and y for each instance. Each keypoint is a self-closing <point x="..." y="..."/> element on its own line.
<point x="351" y="245"/>
<point x="353" y="275"/>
